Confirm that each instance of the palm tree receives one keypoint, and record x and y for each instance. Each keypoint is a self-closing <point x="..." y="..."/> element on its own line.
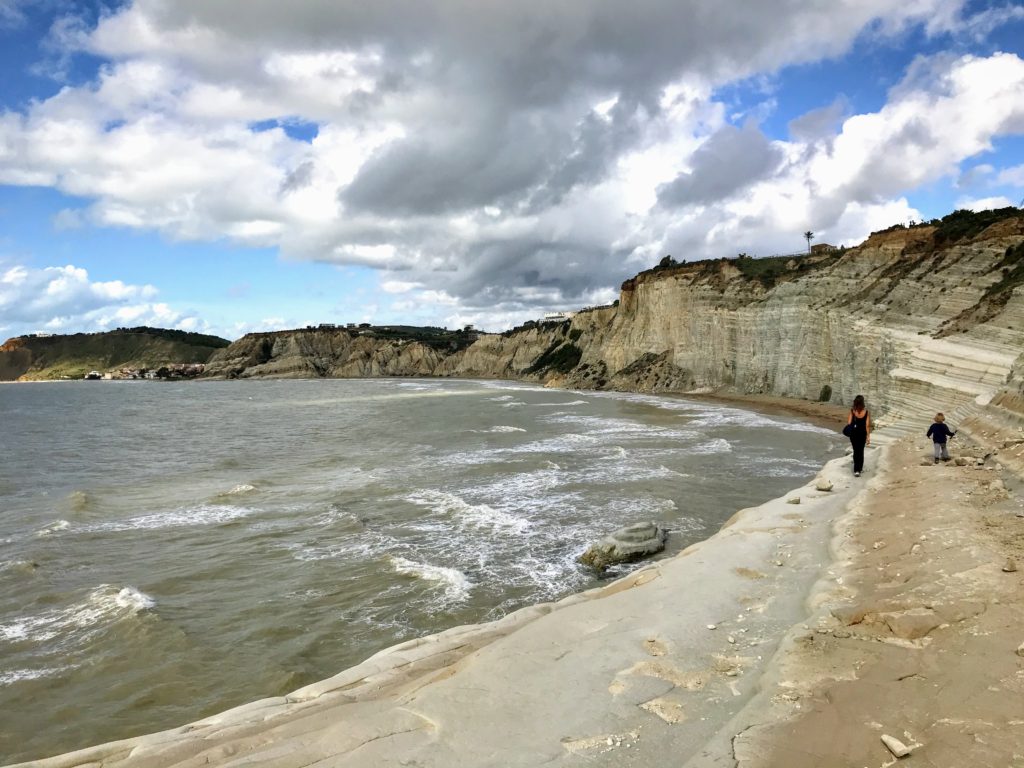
<point x="809" y="236"/>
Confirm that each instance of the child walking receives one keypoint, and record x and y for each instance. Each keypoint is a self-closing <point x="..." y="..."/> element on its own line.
<point x="939" y="433"/>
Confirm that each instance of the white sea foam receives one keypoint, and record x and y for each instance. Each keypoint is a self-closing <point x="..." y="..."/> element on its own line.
<point x="104" y="605"/>
<point x="499" y="429"/>
<point x="502" y="398"/>
<point x="621" y="429"/>
<point x="241" y="488"/>
<point x="203" y="514"/>
<point x="54" y="527"/>
<point x="354" y="549"/>
<point x="134" y="600"/>
<point x="454" y="582"/>
<point x="11" y="676"/>
<point x="718" y="445"/>
<point x="473" y="515"/>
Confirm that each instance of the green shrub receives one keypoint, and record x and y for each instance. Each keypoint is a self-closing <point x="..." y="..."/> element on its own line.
<point x="826" y="394"/>
<point x="558" y="357"/>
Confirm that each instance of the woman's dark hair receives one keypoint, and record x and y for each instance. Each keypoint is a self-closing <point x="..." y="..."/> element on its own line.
<point x="858" y="403"/>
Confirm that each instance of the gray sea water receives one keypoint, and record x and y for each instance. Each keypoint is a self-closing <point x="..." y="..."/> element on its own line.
<point x="170" y="550"/>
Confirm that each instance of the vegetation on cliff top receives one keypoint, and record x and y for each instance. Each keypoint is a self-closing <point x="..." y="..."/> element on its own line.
<point x="73" y="356"/>
<point x="961" y="224"/>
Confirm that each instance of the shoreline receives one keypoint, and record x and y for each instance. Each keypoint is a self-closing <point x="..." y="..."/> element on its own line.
<point x="801" y="597"/>
<point x="657" y="681"/>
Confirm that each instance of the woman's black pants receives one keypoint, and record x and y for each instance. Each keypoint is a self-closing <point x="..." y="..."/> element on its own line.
<point x="858" y="454"/>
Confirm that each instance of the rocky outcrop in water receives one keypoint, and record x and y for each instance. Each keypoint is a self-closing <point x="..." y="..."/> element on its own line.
<point x="625" y="545"/>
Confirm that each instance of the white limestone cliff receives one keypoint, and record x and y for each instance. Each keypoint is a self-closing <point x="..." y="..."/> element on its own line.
<point x="915" y="323"/>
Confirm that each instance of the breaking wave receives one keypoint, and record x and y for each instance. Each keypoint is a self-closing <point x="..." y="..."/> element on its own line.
<point x="455" y="583"/>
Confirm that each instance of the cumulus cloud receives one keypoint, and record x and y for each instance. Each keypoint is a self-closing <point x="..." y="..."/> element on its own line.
<point x="1012" y="176"/>
<point x="509" y="156"/>
<point x="728" y="162"/>
<point x="984" y="203"/>
<point x="62" y="299"/>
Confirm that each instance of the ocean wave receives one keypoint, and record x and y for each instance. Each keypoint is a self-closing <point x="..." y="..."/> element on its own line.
<point x="718" y="445"/>
<point x="203" y="514"/>
<point x="455" y="583"/>
<point x="622" y="429"/>
<point x="499" y="429"/>
<point x="358" y="549"/>
<point x="54" y="527"/>
<point x="11" y="676"/>
<point x="474" y="515"/>
<point x="104" y="605"/>
<point x="19" y="566"/>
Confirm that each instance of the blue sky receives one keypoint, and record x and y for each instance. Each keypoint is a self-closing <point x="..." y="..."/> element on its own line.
<point x="236" y="166"/>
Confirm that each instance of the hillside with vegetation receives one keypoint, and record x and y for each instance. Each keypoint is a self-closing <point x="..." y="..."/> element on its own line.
<point x="42" y="358"/>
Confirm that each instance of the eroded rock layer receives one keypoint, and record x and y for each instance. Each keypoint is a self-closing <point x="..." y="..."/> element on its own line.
<point x="916" y="319"/>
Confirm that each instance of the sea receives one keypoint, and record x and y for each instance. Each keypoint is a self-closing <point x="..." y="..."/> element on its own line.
<point x="169" y="550"/>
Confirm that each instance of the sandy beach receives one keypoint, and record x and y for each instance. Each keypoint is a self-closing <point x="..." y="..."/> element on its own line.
<point x="805" y="630"/>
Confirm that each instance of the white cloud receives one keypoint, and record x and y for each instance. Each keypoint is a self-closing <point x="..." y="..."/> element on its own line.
<point x="984" y="203"/>
<point x="11" y="13"/>
<point x="499" y="160"/>
<point x="1012" y="176"/>
<point x="66" y="299"/>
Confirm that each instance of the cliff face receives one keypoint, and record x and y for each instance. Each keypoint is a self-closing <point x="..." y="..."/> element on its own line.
<point x="73" y="356"/>
<point x="333" y="353"/>
<point x="918" y="320"/>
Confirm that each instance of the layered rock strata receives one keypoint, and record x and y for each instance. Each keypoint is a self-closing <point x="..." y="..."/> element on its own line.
<point x="915" y="322"/>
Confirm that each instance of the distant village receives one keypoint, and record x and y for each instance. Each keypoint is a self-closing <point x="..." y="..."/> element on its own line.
<point x="170" y="371"/>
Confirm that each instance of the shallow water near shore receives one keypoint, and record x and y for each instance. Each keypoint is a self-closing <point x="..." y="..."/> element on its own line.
<point x="171" y="550"/>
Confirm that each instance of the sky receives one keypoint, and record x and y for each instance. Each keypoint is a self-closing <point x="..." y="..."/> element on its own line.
<point x="230" y="166"/>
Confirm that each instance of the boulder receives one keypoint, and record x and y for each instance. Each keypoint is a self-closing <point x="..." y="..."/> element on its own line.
<point x="913" y="624"/>
<point x="625" y="545"/>
<point x="824" y="485"/>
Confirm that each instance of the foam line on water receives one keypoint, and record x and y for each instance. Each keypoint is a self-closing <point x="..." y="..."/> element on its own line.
<point x="705" y="414"/>
<point x="202" y="514"/>
<point x="474" y="515"/>
<point x="12" y="676"/>
<point x="104" y="605"/>
<point x="55" y="527"/>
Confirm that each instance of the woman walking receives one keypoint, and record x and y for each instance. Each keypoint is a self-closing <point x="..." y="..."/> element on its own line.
<point x="858" y="429"/>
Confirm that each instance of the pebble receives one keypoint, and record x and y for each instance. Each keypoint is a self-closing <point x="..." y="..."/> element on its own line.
<point x="1020" y="649"/>
<point x="778" y="563"/>
<point x="1010" y="566"/>
<point x="731" y="639"/>
<point x="794" y="500"/>
<point x="824" y="485"/>
<point x="712" y="626"/>
<point x="894" y="745"/>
